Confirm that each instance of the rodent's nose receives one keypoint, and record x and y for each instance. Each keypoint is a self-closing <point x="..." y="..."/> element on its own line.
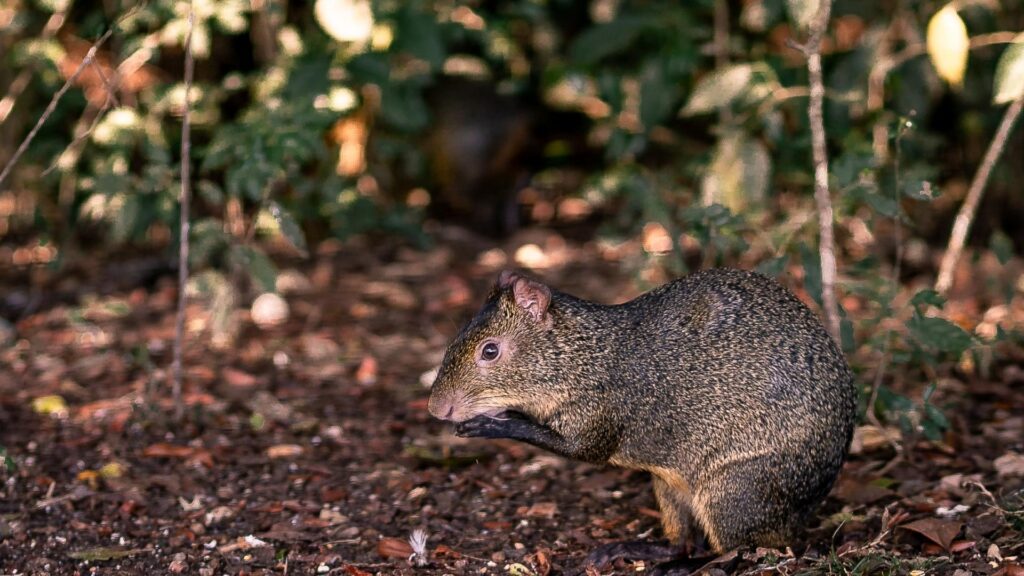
<point x="439" y="408"/>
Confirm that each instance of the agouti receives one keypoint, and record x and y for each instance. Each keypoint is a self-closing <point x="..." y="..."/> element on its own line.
<point x="722" y="385"/>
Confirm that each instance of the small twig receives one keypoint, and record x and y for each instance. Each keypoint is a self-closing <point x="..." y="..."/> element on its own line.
<point x="965" y="216"/>
<point x="74" y="148"/>
<point x="89" y="57"/>
<point x="819" y="149"/>
<point x="179" y="330"/>
<point x="54" y="24"/>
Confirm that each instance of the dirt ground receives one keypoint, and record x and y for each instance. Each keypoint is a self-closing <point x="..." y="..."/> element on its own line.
<point x="308" y="448"/>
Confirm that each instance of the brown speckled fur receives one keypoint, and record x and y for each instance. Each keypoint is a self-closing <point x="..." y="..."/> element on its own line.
<point x="722" y="384"/>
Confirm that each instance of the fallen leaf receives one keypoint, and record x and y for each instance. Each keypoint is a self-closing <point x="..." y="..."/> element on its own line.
<point x="52" y="405"/>
<point x="112" y="470"/>
<point x="518" y="569"/>
<point x="366" y="374"/>
<point x="542" y="510"/>
<point x="1011" y="569"/>
<point x="853" y="491"/>
<point x="90" y="478"/>
<point x="284" y="451"/>
<point x="1010" y="464"/>
<point x="218" y="515"/>
<point x="353" y="571"/>
<point x="394" y="548"/>
<point x="166" y="450"/>
<point x="543" y="562"/>
<point x="941" y="532"/>
<point x="961" y="545"/>
<point x="443" y="550"/>
<point x="237" y="378"/>
<point x="104" y="554"/>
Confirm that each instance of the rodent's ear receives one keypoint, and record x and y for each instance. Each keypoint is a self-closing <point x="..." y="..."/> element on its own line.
<point x="506" y="278"/>
<point x="533" y="297"/>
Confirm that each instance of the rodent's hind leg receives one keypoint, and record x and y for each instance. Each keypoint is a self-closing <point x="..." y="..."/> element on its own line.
<point x="743" y="505"/>
<point x="677" y="518"/>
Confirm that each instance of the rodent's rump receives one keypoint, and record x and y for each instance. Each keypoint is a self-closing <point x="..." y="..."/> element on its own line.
<point x="722" y="384"/>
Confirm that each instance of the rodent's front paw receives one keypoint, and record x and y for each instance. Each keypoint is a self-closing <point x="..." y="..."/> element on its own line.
<point x="481" y="427"/>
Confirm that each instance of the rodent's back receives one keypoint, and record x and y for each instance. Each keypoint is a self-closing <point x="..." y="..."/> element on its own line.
<point x="725" y="362"/>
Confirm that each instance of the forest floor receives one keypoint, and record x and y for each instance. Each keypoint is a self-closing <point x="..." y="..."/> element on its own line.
<point x="307" y="447"/>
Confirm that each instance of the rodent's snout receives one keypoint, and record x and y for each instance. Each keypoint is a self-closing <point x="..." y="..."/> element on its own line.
<point x="439" y="408"/>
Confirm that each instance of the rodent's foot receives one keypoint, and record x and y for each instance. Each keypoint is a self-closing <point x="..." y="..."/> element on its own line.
<point x="635" y="550"/>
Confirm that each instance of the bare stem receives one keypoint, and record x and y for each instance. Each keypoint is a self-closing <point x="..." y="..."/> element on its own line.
<point x="89" y="57"/>
<point x="186" y="145"/>
<point x="965" y="216"/>
<point x="822" y="197"/>
<point x="54" y="24"/>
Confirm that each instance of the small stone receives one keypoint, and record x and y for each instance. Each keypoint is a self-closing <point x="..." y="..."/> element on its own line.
<point x="269" y="310"/>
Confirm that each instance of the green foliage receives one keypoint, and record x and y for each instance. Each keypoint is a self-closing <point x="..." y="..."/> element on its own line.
<point x="7" y="461"/>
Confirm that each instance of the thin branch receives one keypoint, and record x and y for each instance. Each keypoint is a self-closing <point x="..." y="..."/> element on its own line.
<point x="822" y="197"/>
<point x="52" y="26"/>
<point x="888" y="62"/>
<point x="965" y="216"/>
<point x="89" y="57"/>
<point x="179" y="329"/>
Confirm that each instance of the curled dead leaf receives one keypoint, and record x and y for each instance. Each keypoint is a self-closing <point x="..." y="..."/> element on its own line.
<point x="394" y="548"/>
<point x="941" y="532"/>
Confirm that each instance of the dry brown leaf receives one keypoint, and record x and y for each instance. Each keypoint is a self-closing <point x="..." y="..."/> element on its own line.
<point x="961" y="545"/>
<point x="1011" y="569"/>
<point x="284" y="451"/>
<point x="367" y="372"/>
<point x="853" y="491"/>
<point x="393" y="548"/>
<point x="165" y="450"/>
<point x="941" y="532"/>
<point x="237" y="378"/>
<point x="1010" y="464"/>
<point x="542" y="510"/>
<point x="443" y="550"/>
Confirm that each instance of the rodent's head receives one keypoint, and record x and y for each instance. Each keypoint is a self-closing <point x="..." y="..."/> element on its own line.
<point x="490" y="367"/>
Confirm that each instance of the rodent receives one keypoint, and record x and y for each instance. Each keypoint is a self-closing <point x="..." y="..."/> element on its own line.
<point x="722" y="384"/>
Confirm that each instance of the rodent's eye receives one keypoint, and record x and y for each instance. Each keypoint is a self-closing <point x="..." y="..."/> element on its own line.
<point x="489" y="351"/>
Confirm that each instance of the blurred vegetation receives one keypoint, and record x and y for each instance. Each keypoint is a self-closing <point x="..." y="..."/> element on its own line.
<point x="683" y="124"/>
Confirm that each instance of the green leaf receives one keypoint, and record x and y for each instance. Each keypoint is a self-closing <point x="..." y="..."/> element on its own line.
<point x="1009" y="82"/>
<point x="939" y="334"/>
<point x="603" y="40"/>
<point x="403" y="106"/>
<point x="261" y="270"/>
<point x="927" y="297"/>
<point x="289" y="227"/>
<point x="751" y="81"/>
<point x="884" y="205"/>
<point x="848" y="168"/>
<point x="1002" y="246"/>
<point x="773" y="267"/>
<point x="739" y="173"/>
<point x="419" y="34"/>
<point x="812" y="271"/>
<point x="657" y="96"/>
